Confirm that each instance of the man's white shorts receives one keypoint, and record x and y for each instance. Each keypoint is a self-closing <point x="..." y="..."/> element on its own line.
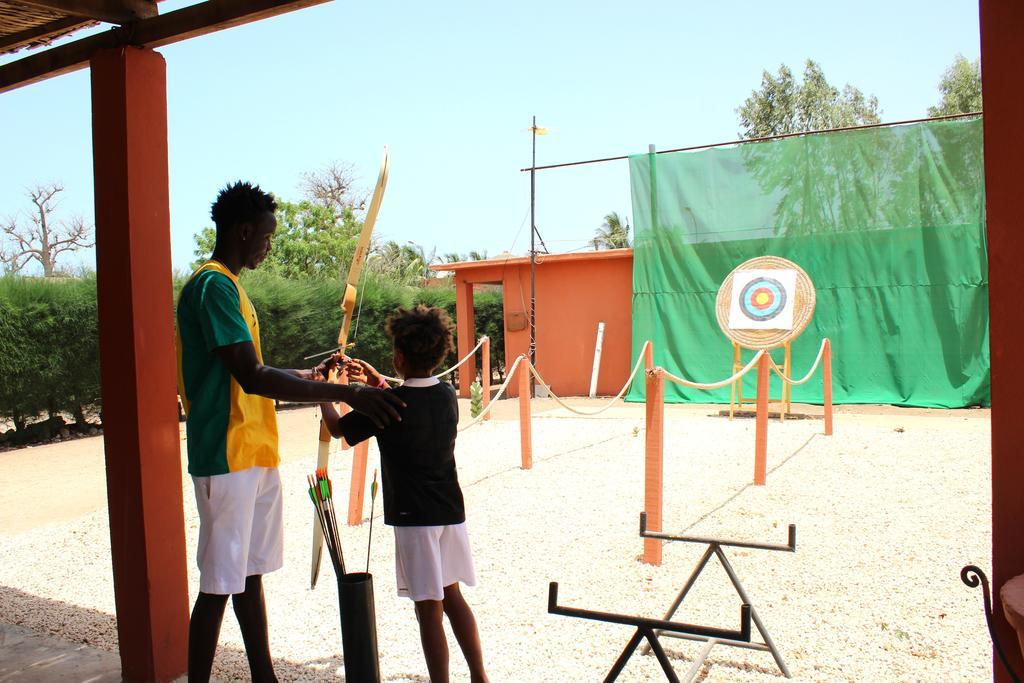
<point x="240" y="528"/>
<point x="428" y="558"/>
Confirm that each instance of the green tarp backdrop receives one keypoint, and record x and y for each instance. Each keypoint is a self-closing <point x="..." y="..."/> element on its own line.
<point x="889" y="224"/>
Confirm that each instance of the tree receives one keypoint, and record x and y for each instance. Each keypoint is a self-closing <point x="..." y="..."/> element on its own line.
<point x="44" y="239"/>
<point x="315" y="237"/>
<point x="406" y="264"/>
<point x="312" y="240"/>
<point x="455" y="257"/>
<point x="960" y="87"/>
<point x="332" y="186"/>
<point x="784" y="106"/>
<point x="613" y="233"/>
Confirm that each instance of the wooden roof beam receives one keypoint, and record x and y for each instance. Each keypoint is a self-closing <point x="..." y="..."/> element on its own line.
<point x="12" y="41"/>
<point x="164" y="29"/>
<point x="110" y="11"/>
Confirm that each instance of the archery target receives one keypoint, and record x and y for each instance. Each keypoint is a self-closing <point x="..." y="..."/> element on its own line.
<point x="762" y="300"/>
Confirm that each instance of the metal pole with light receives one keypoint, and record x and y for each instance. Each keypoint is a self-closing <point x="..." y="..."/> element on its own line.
<point x="534" y="131"/>
<point x="533" y="253"/>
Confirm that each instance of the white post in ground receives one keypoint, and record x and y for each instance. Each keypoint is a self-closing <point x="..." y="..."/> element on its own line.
<point x="597" y="360"/>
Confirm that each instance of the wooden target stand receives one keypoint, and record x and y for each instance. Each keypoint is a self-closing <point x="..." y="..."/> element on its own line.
<point x="736" y="400"/>
<point x="763" y="300"/>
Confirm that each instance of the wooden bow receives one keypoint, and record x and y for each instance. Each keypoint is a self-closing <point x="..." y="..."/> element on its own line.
<point x="348" y="306"/>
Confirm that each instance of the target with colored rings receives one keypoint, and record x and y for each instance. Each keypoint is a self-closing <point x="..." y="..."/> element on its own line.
<point x="762" y="298"/>
<point x="765" y="302"/>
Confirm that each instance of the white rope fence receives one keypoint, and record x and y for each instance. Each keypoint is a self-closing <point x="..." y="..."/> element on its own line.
<point x="625" y="387"/>
<point x="501" y="390"/>
<point x="810" y="373"/>
<point x="714" y="385"/>
<point x="452" y="368"/>
<point x="609" y="404"/>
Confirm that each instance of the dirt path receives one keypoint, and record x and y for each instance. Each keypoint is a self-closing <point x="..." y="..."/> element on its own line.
<point x="888" y="511"/>
<point x="76" y="468"/>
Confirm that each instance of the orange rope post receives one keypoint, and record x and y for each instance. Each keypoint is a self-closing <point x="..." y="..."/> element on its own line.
<point x="653" y="462"/>
<point x="357" y="483"/>
<point x="525" y="437"/>
<point x="357" y="486"/>
<point x="828" y="386"/>
<point x="485" y="374"/>
<point x="736" y="365"/>
<point x="787" y="388"/>
<point x="761" y="430"/>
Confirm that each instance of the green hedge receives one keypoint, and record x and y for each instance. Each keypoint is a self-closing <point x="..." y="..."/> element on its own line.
<point x="49" y="356"/>
<point x="49" y="351"/>
<point x="298" y="318"/>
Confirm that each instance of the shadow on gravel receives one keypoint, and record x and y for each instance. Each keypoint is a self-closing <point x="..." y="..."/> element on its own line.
<point x="85" y="626"/>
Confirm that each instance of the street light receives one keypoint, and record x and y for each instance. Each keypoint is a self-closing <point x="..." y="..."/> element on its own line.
<point x="535" y="131"/>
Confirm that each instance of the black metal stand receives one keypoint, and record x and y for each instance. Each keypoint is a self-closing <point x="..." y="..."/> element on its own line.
<point x="715" y="548"/>
<point x="972" y="576"/>
<point x="652" y="629"/>
<point x="358" y="628"/>
<point x="649" y="629"/>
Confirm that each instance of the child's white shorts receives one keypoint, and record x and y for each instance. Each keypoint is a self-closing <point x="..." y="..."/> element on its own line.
<point x="428" y="558"/>
<point x="240" y="528"/>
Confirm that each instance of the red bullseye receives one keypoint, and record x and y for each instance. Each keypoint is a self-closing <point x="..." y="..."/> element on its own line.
<point x="762" y="298"/>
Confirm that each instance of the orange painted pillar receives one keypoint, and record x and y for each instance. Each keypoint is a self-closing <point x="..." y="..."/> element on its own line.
<point x="343" y="410"/>
<point x="357" y="485"/>
<point x="1002" y="62"/>
<point x="525" y="427"/>
<point x="485" y="375"/>
<point x="137" y="362"/>
<point x="654" y="447"/>
<point x="761" y="428"/>
<point x="465" y="332"/>
<point x="827" y="370"/>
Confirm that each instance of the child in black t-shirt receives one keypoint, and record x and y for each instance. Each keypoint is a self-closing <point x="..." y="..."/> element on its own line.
<point x="422" y="498"/>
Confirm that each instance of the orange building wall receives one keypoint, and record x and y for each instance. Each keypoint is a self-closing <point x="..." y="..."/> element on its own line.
<point x="574" y="293"/>
<point x="572" y="298"/>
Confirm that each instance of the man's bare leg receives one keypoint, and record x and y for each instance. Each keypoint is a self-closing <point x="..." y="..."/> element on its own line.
<point x="203" y="633"/>
<point x="251" y="611"/>
<point x="460" y="616"/>
<point x="430" y="614"/>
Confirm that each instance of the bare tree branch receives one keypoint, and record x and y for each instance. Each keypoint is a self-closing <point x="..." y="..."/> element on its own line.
<point x="44" y="238"/>
<point x="333" y="186"/>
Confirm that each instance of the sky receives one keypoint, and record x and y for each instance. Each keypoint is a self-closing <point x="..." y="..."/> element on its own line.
<point x="451" y="88"/>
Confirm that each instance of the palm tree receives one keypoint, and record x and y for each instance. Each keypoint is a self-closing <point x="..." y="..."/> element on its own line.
<point x="415" y="256"/>
<point x="613" y="233"/>
<point x="404" y="264"/>
<point x="455" y="257"/>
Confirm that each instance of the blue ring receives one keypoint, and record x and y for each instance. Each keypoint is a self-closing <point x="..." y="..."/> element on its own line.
<point x="748" y="290"/>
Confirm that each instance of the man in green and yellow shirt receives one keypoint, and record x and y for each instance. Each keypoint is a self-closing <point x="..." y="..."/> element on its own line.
<point x="228" y="396"/>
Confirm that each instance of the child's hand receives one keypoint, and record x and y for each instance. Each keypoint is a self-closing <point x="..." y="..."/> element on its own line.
<point x="335" y="361"/>
<point x="361" y="371"/>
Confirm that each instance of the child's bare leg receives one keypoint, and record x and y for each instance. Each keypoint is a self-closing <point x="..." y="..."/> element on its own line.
<point x="203" y="633"/>
<point x="460" y="616"/>
<point x="430" y="614"/>
<point x="251" y="611"/>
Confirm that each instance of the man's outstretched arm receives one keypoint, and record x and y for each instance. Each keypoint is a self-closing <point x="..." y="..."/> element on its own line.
<point x="286" y="385"/>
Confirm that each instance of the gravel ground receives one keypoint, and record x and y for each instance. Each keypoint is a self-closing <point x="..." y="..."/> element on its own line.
<point x="887" y="512"/>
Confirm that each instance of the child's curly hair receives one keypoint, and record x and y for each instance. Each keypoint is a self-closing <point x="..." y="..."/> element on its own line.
<point x="423" y="335"/>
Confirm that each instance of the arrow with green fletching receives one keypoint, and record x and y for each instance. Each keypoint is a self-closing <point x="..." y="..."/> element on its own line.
<point x="373" y="499"/>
